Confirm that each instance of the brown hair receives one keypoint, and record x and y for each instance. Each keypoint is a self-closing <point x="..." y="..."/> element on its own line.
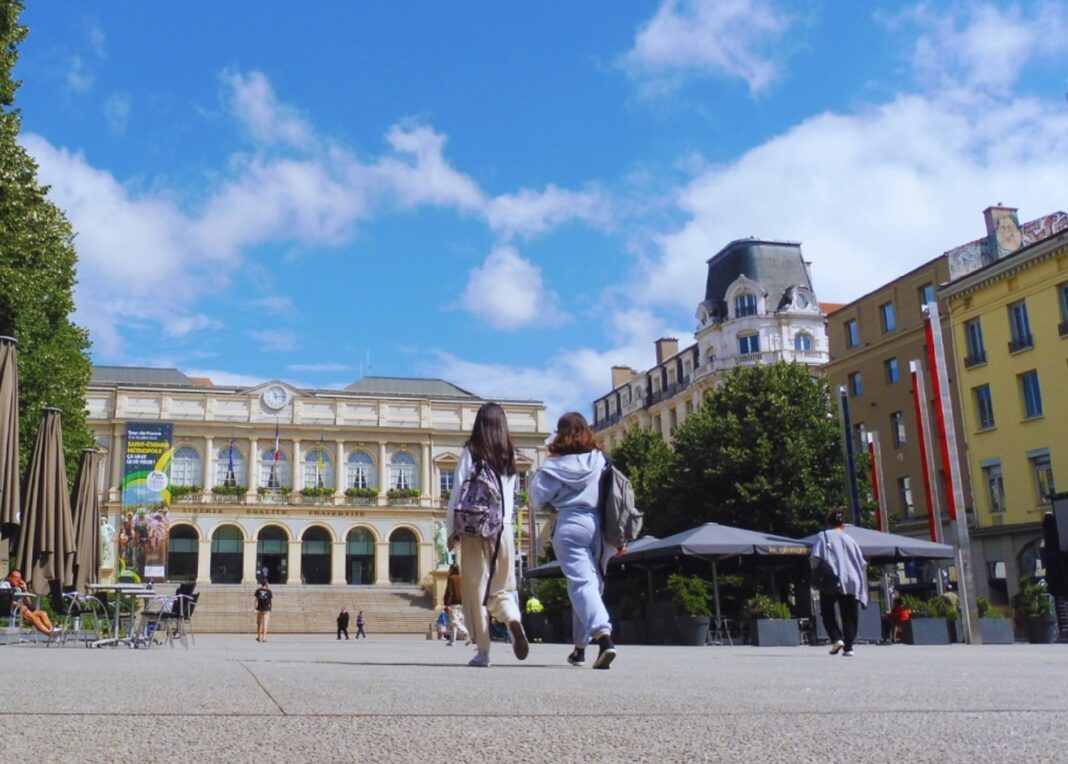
<point x="573" y="436"/>
<point x="490" y="441"/>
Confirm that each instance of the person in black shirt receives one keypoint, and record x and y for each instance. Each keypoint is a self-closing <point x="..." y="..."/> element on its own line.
<point x="343" y="623"/>
<point x="263" y="610"/>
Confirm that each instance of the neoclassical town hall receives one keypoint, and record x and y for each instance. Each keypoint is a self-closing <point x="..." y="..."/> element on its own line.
<point x="331" y="487"/>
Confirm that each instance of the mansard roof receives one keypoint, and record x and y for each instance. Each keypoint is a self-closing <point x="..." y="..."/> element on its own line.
<point x="776" y="265"/>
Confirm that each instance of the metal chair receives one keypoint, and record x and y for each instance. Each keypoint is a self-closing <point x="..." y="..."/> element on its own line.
<point x="177" y="621"/>
<point x="83" y="618"/>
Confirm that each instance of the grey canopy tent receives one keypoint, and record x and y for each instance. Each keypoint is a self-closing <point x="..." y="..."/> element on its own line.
<point x="881" y="548"/>
<point x="86" y="506"/>
<point x="552" y="569"/>
<point x="9" y="447"/>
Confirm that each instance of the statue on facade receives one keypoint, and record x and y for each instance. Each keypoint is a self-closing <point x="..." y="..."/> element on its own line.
<point x="441" y="545"/>
<point x="107" y="549"/>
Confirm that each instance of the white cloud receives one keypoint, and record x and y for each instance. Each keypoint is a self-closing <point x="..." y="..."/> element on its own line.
<point x="117" y="112"/>
<point x="275" y="340"/>
<point x="507" y="292"/>
<point x="421" y="175"/>
<point x="532" y="212"/>
<point x="282" y="306"/>
<point x="319" y="367"/>
<point x="97" y="40"/>
<point x="253" y="101"/>
<point x="79" y="78"/>
<point x="687" y="38"/>
<point x="226" y="378"/>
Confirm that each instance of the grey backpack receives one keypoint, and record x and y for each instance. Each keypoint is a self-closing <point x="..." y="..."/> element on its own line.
<point x="621" y="522"/>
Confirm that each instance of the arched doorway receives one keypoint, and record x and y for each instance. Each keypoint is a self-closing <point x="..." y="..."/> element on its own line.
<point x="182" y="546"/>
<point x="315" y="556"/>
<point x="227" y="551"/>
<point x="360" y="557"/>
<point x="272" y="554"/>
<point x="403" y="557"/>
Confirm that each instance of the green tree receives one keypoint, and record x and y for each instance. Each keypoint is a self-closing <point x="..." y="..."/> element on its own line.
<point x="763" y="452"/>
<point x="37" y="264"/>
<point x="649" y="463"/>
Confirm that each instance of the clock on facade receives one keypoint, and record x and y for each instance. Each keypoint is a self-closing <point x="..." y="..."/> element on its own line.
<point x="275" y="397"/>
<point x="801" y="300"/>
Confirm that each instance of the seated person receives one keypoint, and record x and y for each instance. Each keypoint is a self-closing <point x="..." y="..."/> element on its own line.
<point x="37" y="618"/>
<point x="898" y="615"/>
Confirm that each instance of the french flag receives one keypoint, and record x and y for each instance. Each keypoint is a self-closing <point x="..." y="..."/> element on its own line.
<point x="277" y="444"/>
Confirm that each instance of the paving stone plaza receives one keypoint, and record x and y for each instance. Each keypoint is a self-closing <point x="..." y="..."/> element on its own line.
<point x="390" y="698"/>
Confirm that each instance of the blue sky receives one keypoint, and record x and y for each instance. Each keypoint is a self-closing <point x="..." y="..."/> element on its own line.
<point x="513" y="197"/>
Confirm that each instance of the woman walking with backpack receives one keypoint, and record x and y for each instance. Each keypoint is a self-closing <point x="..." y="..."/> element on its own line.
<point x="480" y="519"/>
<point x="569" y="482"/>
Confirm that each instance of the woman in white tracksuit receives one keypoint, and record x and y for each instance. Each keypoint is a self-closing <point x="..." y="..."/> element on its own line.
<point x="483" y="566"/>
<point x="569" y="482"/>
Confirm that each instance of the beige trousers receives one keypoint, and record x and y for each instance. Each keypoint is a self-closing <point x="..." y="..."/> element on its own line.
<point x="476" y="556"/>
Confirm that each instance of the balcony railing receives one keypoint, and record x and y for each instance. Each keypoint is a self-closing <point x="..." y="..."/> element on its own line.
<point x="975" y="359"/>
<point x="606" y="422"/>
<point x="1023" y="342"/>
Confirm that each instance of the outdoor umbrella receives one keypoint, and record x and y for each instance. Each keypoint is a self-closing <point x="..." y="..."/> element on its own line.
<point x="715" y="542"/>
<point x="86" y="504"/>
<point x="552" y="569"/>
<point x="880" y="548"/>
<point x="46" y="536"/>
<point x="9" y="442"/>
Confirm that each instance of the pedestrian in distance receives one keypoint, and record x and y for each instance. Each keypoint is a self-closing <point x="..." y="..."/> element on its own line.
<point x="454" y="603"/>
<point x="262" y="608"/>
<point x="840" y="574"/>
<point x="359" y="625"/>
<point x="569" y="484"/>
<point x="442" y="623"/>
<point x="479" y="521"/>
<point x="343" y="623"/>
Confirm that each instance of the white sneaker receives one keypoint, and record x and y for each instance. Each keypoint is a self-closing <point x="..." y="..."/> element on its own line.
<point x="481" y="660"/>
<point x="847" y="654"/>
<point x="836" y="647"/>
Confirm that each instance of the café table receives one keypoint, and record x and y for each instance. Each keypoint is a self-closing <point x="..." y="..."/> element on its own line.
<point x="121" y="589"/>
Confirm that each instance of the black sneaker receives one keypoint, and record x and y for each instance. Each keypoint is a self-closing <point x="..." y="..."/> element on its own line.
<point x="607" y="653"/>
<point x="577" y="657"/>
<point x="520" y="646"/>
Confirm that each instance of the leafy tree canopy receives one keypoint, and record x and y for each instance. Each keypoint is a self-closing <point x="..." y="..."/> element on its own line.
<point x="37" y="277"/>
<point x="649" y="463"/>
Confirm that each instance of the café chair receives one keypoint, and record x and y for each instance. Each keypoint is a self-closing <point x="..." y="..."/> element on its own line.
<point x="177" y="621"/>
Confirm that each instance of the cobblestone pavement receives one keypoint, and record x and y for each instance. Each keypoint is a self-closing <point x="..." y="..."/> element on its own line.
<point x="313" y="698"/>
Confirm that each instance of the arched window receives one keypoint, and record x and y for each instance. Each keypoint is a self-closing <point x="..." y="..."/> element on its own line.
<point x="403" y="557"/>
<point x="185" y="467"/>
<point x="182" y="549"/>
<point x="315" y="552"/>
<point x="274" y="474"/>
<point x="802" y="342"/>
<point x="272" y="553"/>
<point x="360" y="471"/>
<point x="402" y="471"/>
<point x="230" y="467"/>
<point x="360" y="557"/>
<point x="227" y="552"/>
<point x="318" y="469"/>
<point x="745" y="304"/>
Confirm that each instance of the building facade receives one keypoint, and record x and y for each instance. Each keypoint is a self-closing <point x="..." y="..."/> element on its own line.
<point x="1008" y="305"/>
<point x="335" y="487"/>
<point x="759" y="307"/>
<point x="873" y="340"/>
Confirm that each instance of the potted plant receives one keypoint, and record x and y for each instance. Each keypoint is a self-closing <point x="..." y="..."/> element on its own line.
<point x="1032" y="603"/>
<point x="771" y="623"/>
<point x="928" y="624"/>
<point x="690" y="595"/>
<point x="362" y="495"/>
<point x="556" y="607"/>
<point x="184" y="494"/>
<point x="632" y="624"/>
<point x="994" y="626"/>
<point x="234" y="491"/>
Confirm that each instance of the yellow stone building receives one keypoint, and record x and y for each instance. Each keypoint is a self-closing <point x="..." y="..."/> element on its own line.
<point x="1008" y="304"/>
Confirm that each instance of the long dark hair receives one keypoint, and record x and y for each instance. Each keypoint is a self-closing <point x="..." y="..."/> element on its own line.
<point x="490" y="441"/>
<point x="573" y="436"/>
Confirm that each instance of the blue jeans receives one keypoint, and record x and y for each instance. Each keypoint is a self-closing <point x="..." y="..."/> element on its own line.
<point x="578" y="547"/>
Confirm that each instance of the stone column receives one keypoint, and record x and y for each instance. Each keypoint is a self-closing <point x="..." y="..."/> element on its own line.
<point x="118" y="454"/>
<point x="424" y="469"/>
<point x="383" y="470"/>
<point x="382" y="562"/>
<point x="298" y="466"/>
<point x="248" y="562"/>
<point x="204" y="561"/>
<point x="252" y="467"/>
<point x="339" y="470"/>
<point x="209" y="463"/>
<point x="293" y="562"/>
<point x="337" y="563"/>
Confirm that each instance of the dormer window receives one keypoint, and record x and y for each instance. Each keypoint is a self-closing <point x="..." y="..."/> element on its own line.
<point x="745" y="304"/>
<point x="802" y="342"/>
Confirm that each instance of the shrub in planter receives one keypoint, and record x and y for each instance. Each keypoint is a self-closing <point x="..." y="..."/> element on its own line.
<point x="318" y="491"/>
<point x="402" y="493"/>
<point x="361" y="493"/>
<point x="690" y="595"/>
<point x="1037" y="621"/>
<point x="771" y="623"/>
<point x="230" y="490"/>
<point x="928" y="625"/>
<point x="178" y="491"/>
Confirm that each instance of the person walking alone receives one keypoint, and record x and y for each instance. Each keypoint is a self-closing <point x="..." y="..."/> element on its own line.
<point x="359" y="625"/>
<point x="343" y="623"/>
<point x="454" y="603"/>
<point x="487" y="565"/>
<point x="841" y="573"/>
<point x="569" y="483"/>
<point x="263" y="610"/>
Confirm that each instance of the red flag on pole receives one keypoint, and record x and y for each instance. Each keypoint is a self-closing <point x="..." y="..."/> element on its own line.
<point x="277" y="443"/>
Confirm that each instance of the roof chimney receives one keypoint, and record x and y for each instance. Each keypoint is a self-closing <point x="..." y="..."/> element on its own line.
<point x="665" y="348"/>
<point x="1002" y="230"/>
<point x="621" y="375"/>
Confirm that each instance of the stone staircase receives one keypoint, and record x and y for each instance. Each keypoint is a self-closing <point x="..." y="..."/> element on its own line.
<point x="227" y="608"/>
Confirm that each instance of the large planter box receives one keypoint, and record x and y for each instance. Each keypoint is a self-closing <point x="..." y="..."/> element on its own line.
<point x="692" y="629"/>
<point x="774" y="632"/>
<point x="927" y="631"/>
<point x="631" y="632"/>
<point x="537" y="627"/>
<point x="869" y="624"/>
<point x="996" y="631"/>
<point x="1040" y="629"/>
<point x="660" y="623"/>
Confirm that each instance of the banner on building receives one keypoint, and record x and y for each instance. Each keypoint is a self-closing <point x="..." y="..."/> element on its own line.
<point x="144" y="527"/>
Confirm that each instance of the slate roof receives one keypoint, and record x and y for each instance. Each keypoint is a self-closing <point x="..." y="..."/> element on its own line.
<point x="138" y="375"/>
<point x="776" y="265"/>
<point x="408" y="386"/>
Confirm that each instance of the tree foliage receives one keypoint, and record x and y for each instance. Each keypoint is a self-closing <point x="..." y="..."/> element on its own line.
<point x="649" y="463"/>
<point x="37" y="276"/>
<point x="764" y="452"/>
